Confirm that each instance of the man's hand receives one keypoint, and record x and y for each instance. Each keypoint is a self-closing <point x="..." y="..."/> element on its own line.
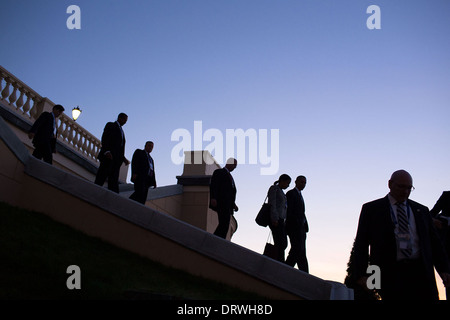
<point x="363" y="283"/>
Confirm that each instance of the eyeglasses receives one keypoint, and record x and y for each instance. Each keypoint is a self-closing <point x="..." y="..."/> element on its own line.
<point x="405" y="187"/>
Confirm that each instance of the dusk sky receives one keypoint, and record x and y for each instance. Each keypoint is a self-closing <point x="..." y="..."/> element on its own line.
<point x="350" y="104"/>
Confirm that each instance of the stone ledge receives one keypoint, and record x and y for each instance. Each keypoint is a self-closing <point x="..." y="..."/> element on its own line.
<point x="197" y="180"/>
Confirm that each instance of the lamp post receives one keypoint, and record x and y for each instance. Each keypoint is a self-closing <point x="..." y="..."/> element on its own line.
<point x="76" y="113"/>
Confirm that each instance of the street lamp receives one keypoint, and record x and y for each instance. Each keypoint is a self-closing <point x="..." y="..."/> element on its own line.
<point x="76" y="113"/>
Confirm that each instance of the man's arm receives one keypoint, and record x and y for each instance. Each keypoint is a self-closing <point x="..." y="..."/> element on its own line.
<point x="214" y="188"/>
<point x="361" y="247"/>
<point x="36" y="125"/>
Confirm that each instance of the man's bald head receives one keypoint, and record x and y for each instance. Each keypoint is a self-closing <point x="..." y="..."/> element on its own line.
<point x="400" y="185"/>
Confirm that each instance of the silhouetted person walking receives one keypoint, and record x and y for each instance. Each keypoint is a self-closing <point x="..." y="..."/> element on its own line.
<point x="441" y="215"/>
<point x="278" y="207"/>
<point x="223" y="196"/>
<point x="43" y="133"/>
<point x="297" y="225"/>
<point x="112" y="153"/>
<point x="403" y="244"/>
<point x="142" y="172"/>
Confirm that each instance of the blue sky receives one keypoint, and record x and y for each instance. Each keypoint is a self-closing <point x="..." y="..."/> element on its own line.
<point x="352" y="105"/>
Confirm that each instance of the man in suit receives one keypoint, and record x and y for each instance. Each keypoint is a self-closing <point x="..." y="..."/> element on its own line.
<point x="43" y="133"/>
<point x="403" y="244"/>
<point x="441" y="215"/>
<point x="142" y="172"/>
<point x="223" y="196"/>
<point x="297" y="225"/>
<point x="112" y="153"/>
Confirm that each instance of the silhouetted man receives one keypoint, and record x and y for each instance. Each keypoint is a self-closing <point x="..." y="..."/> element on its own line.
<point x="142" y="172"/>
<point x="297" y="225"/>
<point x="441" y="215"/>
<point x="112" y="153"/>
<point x="403" y="244"/>
<point x="43" y="133"/>
<point x="223" y="196"/>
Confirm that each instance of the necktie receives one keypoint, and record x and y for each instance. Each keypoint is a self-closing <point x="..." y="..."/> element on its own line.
<point x="54" y="124"/>
<point x="150" y="165"/>
<point x="123" y="135"/>
<point x="403" y="229"/>
<point x="301" y="198"/>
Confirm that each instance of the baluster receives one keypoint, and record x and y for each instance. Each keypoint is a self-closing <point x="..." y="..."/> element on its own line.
<point x="19" y="102"/>
<point x="89" y="149"/>
<point x="65" y="132"/>
<point x="59" y="124"/>
<point x="13" y="96"/>
<point x="94" y="150"/>
<point x="33" y="110"/>
<point x="97" y="150"/>
<point x="27" y="106"/>
<point x="5" y="91"/>
<point x="82" y="141"/>
<point x="75" y="138"/>
<point x="76" y="143"/>
<point x="71" y="134"/>
<point x="79" y="140"/>
<point x="85" y="144"/>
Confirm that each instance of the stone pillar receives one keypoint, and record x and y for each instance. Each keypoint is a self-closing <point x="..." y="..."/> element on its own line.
<point x="198" y="169"/>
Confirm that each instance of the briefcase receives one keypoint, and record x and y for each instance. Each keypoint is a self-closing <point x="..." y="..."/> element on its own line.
<point x="271" y="251"/>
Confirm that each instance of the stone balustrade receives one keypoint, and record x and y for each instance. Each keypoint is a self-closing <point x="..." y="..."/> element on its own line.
<point x="77" y="137"/>
<point x="19" y="97"/>
<point x="28" y="104"/>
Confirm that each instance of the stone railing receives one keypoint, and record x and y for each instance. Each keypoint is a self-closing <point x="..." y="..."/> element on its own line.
<point x="28" y="104"/>
<point x="77" y="137"/>
<point x="23" y="100"/>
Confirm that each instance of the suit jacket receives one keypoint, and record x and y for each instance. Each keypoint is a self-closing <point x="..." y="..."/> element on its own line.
<point x="443" y="204"/>
<point x="295" y="217"/>
<point x="141" y="167"/>
<point x="44" y="130"/>
<point x="376" y="230"/>
<point x="113" y="142"/>
<point x="222" y="189"/>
